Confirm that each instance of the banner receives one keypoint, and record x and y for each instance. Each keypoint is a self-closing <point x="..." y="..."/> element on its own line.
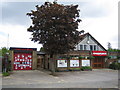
<point x="61" y="63"/>
<point x="74" y="63"/>
<point x="99" y="53"/>
<point x="85" y="62"/>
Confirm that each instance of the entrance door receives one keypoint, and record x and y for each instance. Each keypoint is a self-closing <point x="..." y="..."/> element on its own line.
<point x="39" y="63"/>
<point x="22" y="61"/>
<point x="98" y="62"/>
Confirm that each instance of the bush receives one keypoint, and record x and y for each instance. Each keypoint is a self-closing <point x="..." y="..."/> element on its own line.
<point x="118" y="57"/>
<point x="74" y="69"/>
<point x="5" y="73"/>
<point x="109" y="57"/>
<point x="115" y="66"/>
<point x="86" y="68"/>
<point x="91" y="57"/>
<point x="81" y="57"/>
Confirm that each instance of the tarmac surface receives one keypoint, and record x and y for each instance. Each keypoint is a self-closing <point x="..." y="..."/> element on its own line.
<point x="98" y="78"/>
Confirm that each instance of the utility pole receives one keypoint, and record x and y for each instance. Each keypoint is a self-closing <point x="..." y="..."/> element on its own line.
<point x="8" y="41"/>
<point x="109" y="45"/>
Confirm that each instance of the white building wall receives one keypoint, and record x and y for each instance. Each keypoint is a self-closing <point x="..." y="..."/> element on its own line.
<point x="91" y="42"/>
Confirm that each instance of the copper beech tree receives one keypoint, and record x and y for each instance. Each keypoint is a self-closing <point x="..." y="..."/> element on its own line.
<point x="55" y="27"/>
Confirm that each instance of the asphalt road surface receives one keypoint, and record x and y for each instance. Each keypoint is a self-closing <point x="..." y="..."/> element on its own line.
<point x="75" y="79"/>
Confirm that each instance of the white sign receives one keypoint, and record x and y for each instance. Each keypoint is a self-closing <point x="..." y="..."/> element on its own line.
<point x="74" y="63"/>
<point x="85" y="62"/>
<point x="100" y="53"/>
<point x="61" y="63"/>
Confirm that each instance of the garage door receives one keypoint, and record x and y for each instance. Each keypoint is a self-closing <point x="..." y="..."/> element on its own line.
<point x="22" y="61"/>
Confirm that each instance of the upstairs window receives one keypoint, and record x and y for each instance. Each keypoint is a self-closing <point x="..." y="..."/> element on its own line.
<point x="81" y="47"/>
<point x="85" y="47"/>
<point x="91" y="47"/>
<point x="95" y="47"/>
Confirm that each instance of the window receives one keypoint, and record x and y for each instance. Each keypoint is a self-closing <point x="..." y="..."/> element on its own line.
<point x="81" y="47"/>
<point x="91" y="47"/>
<point x="95" y="47"/>
<point x="85" y="47"/>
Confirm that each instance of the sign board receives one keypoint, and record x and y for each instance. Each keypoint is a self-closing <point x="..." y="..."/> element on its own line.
<point x="22" y="61"/>
<point x="99" y="53"/>
<point x="85" y="62"/>
<point x="61" y="63"/>
<point x="74" y="63"/>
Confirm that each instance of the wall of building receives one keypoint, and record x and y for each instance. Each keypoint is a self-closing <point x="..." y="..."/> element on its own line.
<point x="85" y="42"/>
<point x="34" y="60"/>
<point x="40" y="61"/>
<point x="72" y="61"/>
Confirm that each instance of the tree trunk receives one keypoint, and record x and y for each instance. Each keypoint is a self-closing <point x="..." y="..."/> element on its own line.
<point x="53" y="61"/>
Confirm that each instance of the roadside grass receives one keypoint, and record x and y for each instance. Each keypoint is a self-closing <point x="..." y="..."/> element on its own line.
<point x="5" y="74"/>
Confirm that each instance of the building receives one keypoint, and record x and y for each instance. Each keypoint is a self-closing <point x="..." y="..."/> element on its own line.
<point x="88" y="52"/>
<point x="23" y="58"/>
<point x="88" y="43"/>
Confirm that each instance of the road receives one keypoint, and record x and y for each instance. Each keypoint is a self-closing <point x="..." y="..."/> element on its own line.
<point x="73" y="79"/>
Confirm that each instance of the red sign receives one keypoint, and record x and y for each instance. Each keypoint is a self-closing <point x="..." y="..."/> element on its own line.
<point x="22" y="61"/>
<point x="24" y="49"/>
<point x="99" y="53"/>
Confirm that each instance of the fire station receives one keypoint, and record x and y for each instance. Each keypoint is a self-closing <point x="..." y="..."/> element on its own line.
<point x="88" y="52"/>
<point x="23" y="58"/>
<point x="88" y="43"/>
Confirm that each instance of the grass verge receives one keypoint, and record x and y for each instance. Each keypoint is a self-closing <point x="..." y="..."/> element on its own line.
<point x="5" y="74"/>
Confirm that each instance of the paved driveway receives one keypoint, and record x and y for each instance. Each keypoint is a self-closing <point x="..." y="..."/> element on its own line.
<point x="76" y="79"/>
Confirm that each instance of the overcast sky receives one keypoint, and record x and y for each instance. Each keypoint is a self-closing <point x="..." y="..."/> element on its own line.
<point x="99" y="18"/>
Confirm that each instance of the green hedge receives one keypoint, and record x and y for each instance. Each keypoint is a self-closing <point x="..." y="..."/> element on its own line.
<point x="86" y="68"/>
<point x="74" y="69"/>
<point x="115" y="66"/>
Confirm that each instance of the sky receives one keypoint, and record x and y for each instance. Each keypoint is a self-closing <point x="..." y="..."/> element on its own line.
<point x="99" y="18"/>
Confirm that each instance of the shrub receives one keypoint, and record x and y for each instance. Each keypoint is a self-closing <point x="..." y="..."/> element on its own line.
<point x="86" y="68"/>
<point x="118" y="57"/>
<point x="91" y="57"/>
<point x="115" y="66"/>
<point x="5" y="73"/>
<point x="74" y="69"/>
<point x="81" y="57"/>
<point x="109" y="57"/>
